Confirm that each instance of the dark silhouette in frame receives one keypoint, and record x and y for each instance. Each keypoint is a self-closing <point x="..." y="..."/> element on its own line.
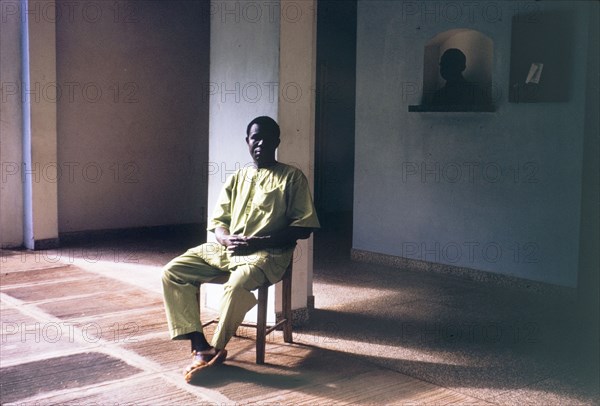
<point x="457" y="90"/>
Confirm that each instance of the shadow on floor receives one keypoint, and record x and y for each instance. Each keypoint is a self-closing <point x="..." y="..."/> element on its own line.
<point x="450" y="331"/>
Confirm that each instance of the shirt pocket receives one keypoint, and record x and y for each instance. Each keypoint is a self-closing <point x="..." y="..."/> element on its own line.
<point x="269" y="200"/>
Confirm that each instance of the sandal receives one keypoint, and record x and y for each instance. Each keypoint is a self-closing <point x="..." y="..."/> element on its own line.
<point x="202" y="361"/>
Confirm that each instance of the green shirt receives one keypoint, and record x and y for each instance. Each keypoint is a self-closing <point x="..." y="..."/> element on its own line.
<point x="256" y="202"/>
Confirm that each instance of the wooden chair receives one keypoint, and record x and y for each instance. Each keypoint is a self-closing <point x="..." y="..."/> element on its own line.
<point x="262" y="329"/>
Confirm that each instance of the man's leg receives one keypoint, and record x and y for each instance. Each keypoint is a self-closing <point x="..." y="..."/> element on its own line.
<point x="181" y="280"/>
<point x="237" y="300"/>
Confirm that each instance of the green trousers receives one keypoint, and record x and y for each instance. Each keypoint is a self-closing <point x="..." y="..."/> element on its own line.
<point x="182" y="278"/>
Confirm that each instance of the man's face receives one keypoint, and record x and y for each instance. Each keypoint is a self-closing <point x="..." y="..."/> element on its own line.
<point x="262" y="145"/>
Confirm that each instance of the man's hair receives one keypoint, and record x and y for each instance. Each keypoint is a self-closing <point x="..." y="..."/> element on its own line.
<point x="266" y="123"/>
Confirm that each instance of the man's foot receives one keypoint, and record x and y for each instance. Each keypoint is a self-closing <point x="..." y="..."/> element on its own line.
<point x="202" y="360"/>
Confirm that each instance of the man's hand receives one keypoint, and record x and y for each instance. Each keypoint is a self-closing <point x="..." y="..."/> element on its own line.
<point x="242" y="245"/>
<point x="235" y="244"/>
<point x="224" y="238"/>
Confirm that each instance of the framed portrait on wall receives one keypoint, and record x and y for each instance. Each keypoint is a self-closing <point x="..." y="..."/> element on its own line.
<point x="541" y="57"/>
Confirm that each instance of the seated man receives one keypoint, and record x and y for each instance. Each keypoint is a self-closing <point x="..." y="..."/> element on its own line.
<point x="260" y="214"/>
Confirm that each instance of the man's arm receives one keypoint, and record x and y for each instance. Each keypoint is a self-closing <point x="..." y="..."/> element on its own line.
<point x="286" y="237"/>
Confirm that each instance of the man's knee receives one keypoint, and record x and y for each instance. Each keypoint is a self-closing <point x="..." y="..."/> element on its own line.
<point x="234" y="283"/>
<point x="166" y="274"/>
<point x="169" y="273"/>
<point x="245" y="277"/>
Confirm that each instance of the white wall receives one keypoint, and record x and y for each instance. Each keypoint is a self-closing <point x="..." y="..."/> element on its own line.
<point x="497" y="192"/>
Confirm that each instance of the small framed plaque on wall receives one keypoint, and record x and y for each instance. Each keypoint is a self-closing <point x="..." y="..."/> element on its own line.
<point x="541" y="57"/>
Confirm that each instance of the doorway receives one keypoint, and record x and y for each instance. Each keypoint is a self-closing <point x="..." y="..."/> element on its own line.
<point x="334" y="122"/>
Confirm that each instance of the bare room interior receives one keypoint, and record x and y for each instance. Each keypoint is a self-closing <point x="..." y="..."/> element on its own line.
<point x="457" y="258"/>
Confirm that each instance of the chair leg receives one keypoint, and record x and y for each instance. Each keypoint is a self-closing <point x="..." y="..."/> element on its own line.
<point x="286" y="307"/>
<point x="261" y="324"/>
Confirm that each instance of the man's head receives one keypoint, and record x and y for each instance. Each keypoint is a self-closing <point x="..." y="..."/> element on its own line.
<point x="262" y="137"/>
<point x="452" y="64"/>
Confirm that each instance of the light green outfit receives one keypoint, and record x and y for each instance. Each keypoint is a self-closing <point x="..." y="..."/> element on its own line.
<point x="253" y="202"/>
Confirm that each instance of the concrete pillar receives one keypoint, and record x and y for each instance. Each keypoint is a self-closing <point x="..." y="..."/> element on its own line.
<point x="244" y="77"/>
<point x="263" y="63"/>
<point x="297" y="76"/>
<point x="39" y="99"/>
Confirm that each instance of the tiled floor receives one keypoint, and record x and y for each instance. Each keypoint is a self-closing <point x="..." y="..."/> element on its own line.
<point x="85" y="325"/>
